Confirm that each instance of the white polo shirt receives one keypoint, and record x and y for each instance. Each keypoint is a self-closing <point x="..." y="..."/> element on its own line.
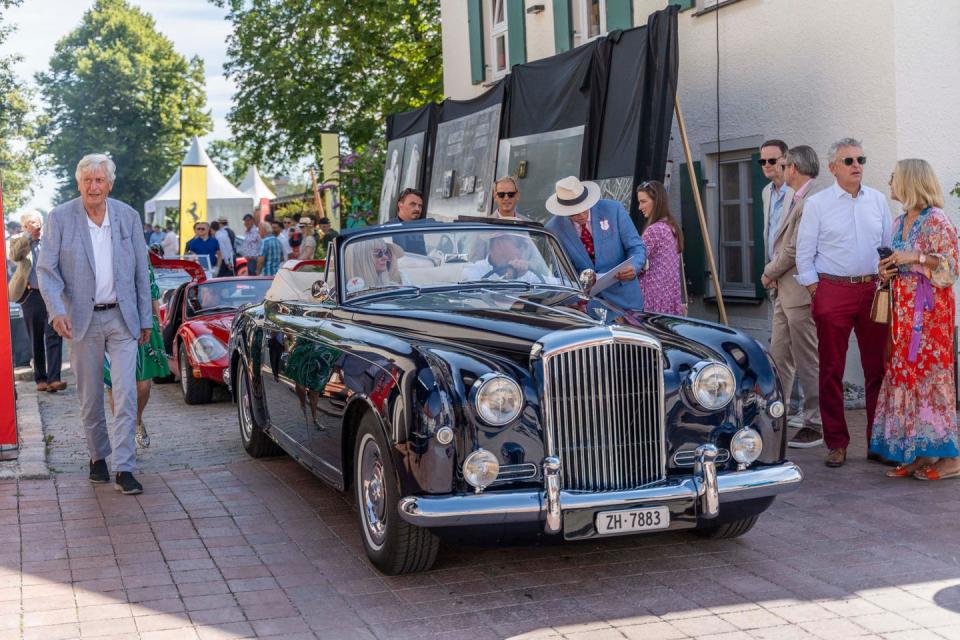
<point x="102" y="240"/>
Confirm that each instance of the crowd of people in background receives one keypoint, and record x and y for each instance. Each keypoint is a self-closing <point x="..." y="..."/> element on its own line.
<point x="833" y="256"/>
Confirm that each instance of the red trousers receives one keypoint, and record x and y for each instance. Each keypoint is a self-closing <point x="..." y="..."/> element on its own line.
<point x="839" y="308"/>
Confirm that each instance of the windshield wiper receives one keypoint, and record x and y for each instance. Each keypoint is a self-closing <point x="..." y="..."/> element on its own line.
<point x="387" y="292"/>
<point x="498" y="283"/>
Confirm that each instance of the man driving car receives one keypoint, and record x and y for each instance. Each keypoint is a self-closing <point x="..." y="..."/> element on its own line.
<point x="505" y="261"/>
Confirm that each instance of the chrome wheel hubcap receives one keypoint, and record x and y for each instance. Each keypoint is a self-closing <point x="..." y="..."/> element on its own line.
<point x="246" y="419"/>
<point x="373" y="492"/>
<point x="183" y="372"/>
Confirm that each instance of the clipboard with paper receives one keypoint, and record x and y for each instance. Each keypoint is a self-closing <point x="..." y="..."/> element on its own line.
<point x="606" y="279"/>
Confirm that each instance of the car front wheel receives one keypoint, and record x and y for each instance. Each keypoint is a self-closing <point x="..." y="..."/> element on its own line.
<point x="256" y="443"/>
<point x="195" y="390"/>
<point x="725" y="530"/>
<point x="393" y="545"/>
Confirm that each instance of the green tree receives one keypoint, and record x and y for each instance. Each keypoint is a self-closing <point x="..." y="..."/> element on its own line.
<point x="116" y="84"/>
<point x="306" y="66"/>
<point x="18" y="157"/>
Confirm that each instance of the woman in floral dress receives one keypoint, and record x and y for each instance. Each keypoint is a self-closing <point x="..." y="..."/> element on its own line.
<point x="660" y="281"/>
<point x="916" y="416"/>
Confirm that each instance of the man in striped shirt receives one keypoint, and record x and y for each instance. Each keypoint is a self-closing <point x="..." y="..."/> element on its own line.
<point x="271" y="252"/>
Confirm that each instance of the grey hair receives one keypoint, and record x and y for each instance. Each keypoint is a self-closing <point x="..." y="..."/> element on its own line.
<point x="93" y="160"/>
<point x="509" y="179"/>
<point x="805" y="159"/>
<point x="840" y="144"/>
<point x="30" y="215"/>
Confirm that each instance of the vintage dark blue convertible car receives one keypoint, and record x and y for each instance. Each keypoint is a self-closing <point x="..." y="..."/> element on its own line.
<point x="455" y="375"/>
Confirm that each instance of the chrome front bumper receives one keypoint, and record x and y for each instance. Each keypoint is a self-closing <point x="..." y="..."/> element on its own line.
<point x="707" y="489"/>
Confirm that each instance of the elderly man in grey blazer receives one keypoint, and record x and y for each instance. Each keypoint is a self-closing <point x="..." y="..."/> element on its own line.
<point x="793" y="341"/>
<point x="94" y="280"/>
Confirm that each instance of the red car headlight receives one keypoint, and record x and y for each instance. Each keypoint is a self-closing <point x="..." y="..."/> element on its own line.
<point x="206" y="349"/>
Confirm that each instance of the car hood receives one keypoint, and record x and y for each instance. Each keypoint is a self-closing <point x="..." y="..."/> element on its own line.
<point x="510" y="320"/>
<point x="217" y="324"/>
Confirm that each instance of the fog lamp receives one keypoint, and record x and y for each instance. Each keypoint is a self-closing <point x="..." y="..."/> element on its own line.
<point x="775" y="409"/>
<point x="480" y="469"/>
<point x="746" y="445"/>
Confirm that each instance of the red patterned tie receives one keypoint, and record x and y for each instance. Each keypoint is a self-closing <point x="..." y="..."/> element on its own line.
<point x="587" y="239"/>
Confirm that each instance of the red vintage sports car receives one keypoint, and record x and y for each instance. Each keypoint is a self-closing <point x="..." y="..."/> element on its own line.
<point x="196" y="327"/>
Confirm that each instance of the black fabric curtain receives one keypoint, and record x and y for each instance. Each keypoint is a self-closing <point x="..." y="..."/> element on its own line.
<point x="453" y="109"/>
<point x="424" y="119"/>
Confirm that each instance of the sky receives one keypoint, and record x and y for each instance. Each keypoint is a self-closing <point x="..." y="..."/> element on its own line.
<point x="195" y="27"/>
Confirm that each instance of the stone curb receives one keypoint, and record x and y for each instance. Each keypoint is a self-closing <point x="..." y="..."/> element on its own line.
<point x="32" y="461"/>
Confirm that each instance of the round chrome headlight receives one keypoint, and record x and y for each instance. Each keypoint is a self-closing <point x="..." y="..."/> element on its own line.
<point x="480" y="468"/>
<point x="498" y="399"/>
<point x="712" y="385"/>
<point x="746" y="445"/>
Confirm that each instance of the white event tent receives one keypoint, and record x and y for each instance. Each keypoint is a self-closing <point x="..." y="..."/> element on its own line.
<point x="254" y="186"/>
<point x="223" y="199"/>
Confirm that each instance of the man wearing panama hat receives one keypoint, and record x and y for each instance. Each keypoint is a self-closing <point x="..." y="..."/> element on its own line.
<point x="598" y="234"/>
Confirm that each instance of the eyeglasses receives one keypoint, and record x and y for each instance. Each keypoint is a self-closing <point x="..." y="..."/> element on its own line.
<point x="506" y="194"/>
<point x="202" y="228"/>
<point x="381" y="253"/>
<point x="768" y="161"/>
<point x="861" y="160"/>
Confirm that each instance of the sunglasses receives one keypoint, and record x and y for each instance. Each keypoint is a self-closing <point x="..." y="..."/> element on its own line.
<point x="506" y="194"/>
<point x="861" y="160"/>
<point x="381" y="253"/>
<point x="768" y="161"/>
<point x="202" y="228"/>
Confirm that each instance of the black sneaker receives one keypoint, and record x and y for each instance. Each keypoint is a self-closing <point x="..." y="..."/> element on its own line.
<point x="806" y="438"/>
<point x="127" y="484"/>
<point x="99" y="474"/>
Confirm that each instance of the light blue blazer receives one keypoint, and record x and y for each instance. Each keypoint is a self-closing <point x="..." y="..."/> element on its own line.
<point x="615" y="238"/>
<point x="67" y="273"/>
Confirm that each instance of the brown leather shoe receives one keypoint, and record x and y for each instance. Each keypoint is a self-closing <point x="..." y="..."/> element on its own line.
<point x="59" y="385"/>
<point x="836" y="458"/>
<point x="41" y="386"/>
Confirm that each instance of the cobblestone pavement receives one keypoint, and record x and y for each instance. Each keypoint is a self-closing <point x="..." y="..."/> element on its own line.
<point x="181" y="436"/>
<point x="236" y="548"/>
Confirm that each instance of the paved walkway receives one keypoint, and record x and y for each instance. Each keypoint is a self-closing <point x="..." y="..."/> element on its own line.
<point x="241" y="548"/>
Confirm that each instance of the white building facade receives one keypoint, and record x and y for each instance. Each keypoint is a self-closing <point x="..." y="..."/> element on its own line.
<point x="805" y="71"/>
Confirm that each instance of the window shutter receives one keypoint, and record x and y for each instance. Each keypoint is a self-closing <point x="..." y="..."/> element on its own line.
<point x="683" y="4"/>
<point x="619" y="14"/>
<point x="475" y="27"/>
<point x="694" y="260"/>
<point x="562" y="26"/>
<point x="757" y="182"/>
<point x="516" y="32"/>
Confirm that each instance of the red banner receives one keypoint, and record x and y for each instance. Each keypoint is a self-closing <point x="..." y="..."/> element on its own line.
<point x="8" y="406"/>
<point x="264" y="209"/>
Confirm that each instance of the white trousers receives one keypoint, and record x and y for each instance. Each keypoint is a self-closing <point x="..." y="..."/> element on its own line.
<point x="108" y="333"/>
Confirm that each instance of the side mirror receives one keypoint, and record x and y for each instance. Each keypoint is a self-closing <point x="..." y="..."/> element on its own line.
<point x="320" y="290"/>
<point x="588" y="278"/>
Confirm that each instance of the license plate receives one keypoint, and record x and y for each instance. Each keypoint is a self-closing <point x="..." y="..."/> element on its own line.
<point x="646" y="519"/>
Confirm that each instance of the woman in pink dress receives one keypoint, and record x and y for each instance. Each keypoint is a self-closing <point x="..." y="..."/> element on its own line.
<point x="660" y="281"/>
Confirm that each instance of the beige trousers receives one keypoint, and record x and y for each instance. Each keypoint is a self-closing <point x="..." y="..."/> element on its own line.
<point x="793" y="346"/>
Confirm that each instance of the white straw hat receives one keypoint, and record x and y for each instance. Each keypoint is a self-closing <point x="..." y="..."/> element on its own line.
<point x="573" y="196"/>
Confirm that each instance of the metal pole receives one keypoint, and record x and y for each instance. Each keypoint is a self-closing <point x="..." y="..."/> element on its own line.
<point x="700" y="214"/>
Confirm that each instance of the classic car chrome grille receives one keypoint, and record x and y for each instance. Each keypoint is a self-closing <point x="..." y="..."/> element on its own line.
<point x="604" y="415"/>
<point x="514" y="472"/>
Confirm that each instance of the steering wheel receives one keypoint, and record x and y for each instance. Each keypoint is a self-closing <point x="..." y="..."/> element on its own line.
<point x="506" y="269"/>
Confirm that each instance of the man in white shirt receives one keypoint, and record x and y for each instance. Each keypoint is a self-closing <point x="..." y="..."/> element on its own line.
<point x="506" y="194"/>
<point x="225" y="252"/>
<point x="505" y="261"/>
<point x="170" y="243"/>
<point x="94" y="279"/>
<point x="840" y="231"/>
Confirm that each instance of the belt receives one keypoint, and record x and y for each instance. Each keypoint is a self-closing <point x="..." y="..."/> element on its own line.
<point x="104" y="307"/>
<point x="849" y="279"/>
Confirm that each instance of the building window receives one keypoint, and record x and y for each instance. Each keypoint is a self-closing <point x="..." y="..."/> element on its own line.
<point x="498" y="33"/>
<point x="736" y="227"/>
<point x="589" y="20"/>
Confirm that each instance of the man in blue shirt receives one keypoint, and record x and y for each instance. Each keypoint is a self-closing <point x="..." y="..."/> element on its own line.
<point x="203" y="244"/>
<point x="271" y="251"/>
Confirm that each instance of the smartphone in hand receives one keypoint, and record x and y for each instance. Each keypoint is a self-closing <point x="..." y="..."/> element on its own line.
<point x="885" y="252"/>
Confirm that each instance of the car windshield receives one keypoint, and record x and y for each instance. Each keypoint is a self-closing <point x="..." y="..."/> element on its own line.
<point x="223" y="295"/>
<point x="459" y="256"/>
